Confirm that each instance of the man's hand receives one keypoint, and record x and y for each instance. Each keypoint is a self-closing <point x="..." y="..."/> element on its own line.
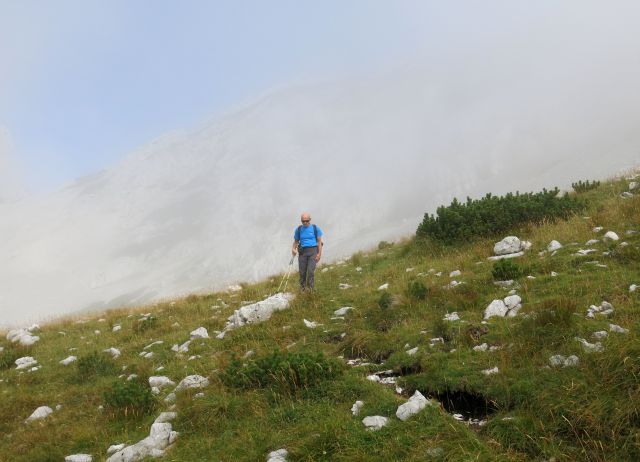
<point x="293" y="252"/>
<point x="317" y="257"/>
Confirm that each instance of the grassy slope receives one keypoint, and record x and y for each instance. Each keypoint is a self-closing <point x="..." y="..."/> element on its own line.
<point x="590" y="412"/>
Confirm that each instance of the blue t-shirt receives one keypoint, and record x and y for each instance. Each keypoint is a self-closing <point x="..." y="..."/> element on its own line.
<point x="306" y="237"/>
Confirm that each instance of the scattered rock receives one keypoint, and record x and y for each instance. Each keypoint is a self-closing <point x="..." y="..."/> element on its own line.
<point x="41" y="413"/>
<point x="159" y="342"/>
<point x="234" y="288"/>
<point x="493" y="370"/>
<point x="633" y="287"/>
<point x="310" y="324"/>
<point x="160" y="438"/>
<point x="79" y="458"/>
<point x="559" y="360"/>
<point x="510" y="255"/>
<point x="455" y="273"/>
<point x="553" y="274"/>
<point x="22" y="336"/>
<point x="116" y="328"/>
<point x="258" y="312"/>
<point x="600" y="334"/>
<point x="200" y="332"/>
<point x="184" y="348"/>
<point x="375" y="422"/>
<point x="592" y="242"/>
<point x="482" y="347"/>
<point x="610" y="236"/>
<point x="343" y="286"/>
<point x="510" y="245"/>
<point x="160" y="381"/>
<point x="24" y="362"/>
<point x="408" y="270"/>
<point x="412" y="351"/>
<point x="192" y="381"/>
<point x="384" y="286"/>
<point x="115" y="353"/>
<point x="355" y="409"/>
<point x="590" y="347"/>
<point x="507" y="283"/>
<point x="633" y="185"/>
<point x="507" y="307"/>
<point x="597" y="229"/>
<point x="342" y="311"/>
<point x="115" y="448"/>
<point x="553" y="246"/>
<point x="165" y="417"/>
<point x="435" y="453"/>
<point x="451" y="316"/>
<point x="616" y="328"/>
<point x="278" y="456"/>
<point x="605" y="309"/>
<point x="415" y="404"/>
<point x="68" y="360"/>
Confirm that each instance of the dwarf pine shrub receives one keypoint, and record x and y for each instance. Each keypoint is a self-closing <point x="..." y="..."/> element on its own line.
<point x="492" y="215"/>
<point x="584" y="186"/>
<point x="8" y="357"/>
<point x="505" y="269"/>
<point x="145" y="324"/>
<point x="94" y="364"/>
<point x="417" y="290"/>
<point x="129" y="398"/>
<point x="281" y="371"/>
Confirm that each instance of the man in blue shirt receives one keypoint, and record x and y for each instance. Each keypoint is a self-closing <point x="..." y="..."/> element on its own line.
<point x="307" y="241"/>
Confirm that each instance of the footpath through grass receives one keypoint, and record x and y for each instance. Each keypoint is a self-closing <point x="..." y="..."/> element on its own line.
<point x="296" y="390"/>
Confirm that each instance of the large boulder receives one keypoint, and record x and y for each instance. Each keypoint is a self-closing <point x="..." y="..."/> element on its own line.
<point x="154" y="445"/>
<point x="510" y="244"/>
<point x="258" y="312"/>
<point x="509" y="306"/>
<point x="415" y="404"/>
<point x="22" y="336"/>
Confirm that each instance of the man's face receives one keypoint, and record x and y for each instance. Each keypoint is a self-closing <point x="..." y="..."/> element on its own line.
<point x="306" y="220"/>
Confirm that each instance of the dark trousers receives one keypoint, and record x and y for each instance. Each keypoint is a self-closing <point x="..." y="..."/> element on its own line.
<point x="307" y="266"/>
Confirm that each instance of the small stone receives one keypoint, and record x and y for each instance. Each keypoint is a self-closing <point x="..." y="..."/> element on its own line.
<point x="375" y="422"/>
<point x="600" y="334"/>
<point x="412" y="351"/>
<point x="496" y="308"/>
<point x="416" y="403"/>
<point x="451" y="316"/>
<point x="116" y="328"/>
<point x="25" y="362"/>
<point x="68" y="360"/>
<point x="553" y="246"/>
<point x="115" y="448"/>
<point x="384" y="286"/>
<point x="610" y="236"/>
<point x="633" y="287"/>
<point x="343" y="286"/>
<point x="200" y="332"/>
<point x="342" y="311"/>
<point x="553" y="274"/>
<point x="114" y="352"/>
<point x="590" y="347"/>
<point x="160" y="381"/>
<point x="493" y="370"/>
<point x="633" y="185"/>
<point x="597" y="229"/>
<point x="278" y="456"/>
<point x="455" y="273"/>
<point x="79" y="458"/>
<point x="616" y="328"/>
<point x="192" y="381"/>
<point x="355" y="409"/>
<point x="310" y="324"/>
<point x="40" y="413"/>
<point x="482" y="347"/>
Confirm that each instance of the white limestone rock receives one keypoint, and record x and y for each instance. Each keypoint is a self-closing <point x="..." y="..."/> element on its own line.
<point x="192" y="381"/>
<point x="165" y="417"/>
<point x="41" y="413"/>
<point x="412" y="351"/>
<point x="342" y="311"/>
<point x="68" y="360"/>
<point x="160" y="381"/>
<point x="384" y="286"/>
<point x="158" y="342"/>
<point x="591" y="242"/>
<point x="455" y="273"/>
<point x="310" y="324"/>
<point x="375" y="422"/>
<point x="597" y="229"/>
<point x="493" y="370"/>
<point x="154" y="445"/>
<point x="355" y="409"/>
<point x="343" y="286"/>
<point x="25" y="362"/>
<point x="114" y="352"/>
<point x="200" y="332"/>
<point x="279" y="455"/>
<point x="563" y="361"/>
<point x="633" y="288"/>
<point x="509" y="255"/>
<point x="482" y="347"/>
<point x="508" y="245"/>
<point x="610" y="236"/>
<point x="115" y="448"/>
<point x="553" y="246"/>
<point x="184" y="348"/>
<point x="22" y="336"/>
<point x="258" y="312"/>
<point x="590" y="347"/>
<point x="633" y="185"/>
<point x="79" y="458"/>
<point x="600" y="334"/>
<point x="415" y="404"/>
<point x="616" y="328"/>
<point x="451" y="316"/>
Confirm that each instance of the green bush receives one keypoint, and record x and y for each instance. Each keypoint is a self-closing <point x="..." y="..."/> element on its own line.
<point x="385" y="301"/>
<point x="583" y="186"/>
<point x="281" y="371"/>
<point x="8" y="357"/>
<point x="384" y="245"/>
<point x="505" y="269"/>
<point x="95" y="364"/>
<point x="145" y="324"/>
<point x="493" y="215"/>
<point x="129" y="398"/>
<point x="417" y="290"/>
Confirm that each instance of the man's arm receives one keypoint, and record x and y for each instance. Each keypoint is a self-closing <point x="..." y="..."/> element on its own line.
<point x="294" y="249"/>
<point x="319" y="241"/>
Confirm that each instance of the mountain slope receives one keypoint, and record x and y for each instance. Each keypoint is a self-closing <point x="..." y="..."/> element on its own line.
<point x="529" y="409"/>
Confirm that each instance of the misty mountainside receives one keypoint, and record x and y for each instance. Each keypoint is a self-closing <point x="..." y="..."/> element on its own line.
<point x="196" y="210"/>
<point x="517" y="345"/>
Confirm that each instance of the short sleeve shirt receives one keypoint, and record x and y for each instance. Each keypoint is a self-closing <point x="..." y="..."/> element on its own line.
<point x="307" y="237"/>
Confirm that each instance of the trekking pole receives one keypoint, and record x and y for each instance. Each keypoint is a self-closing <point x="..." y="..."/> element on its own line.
<point x="285" y="278"/>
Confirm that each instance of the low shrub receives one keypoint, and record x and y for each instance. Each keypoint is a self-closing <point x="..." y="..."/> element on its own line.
<point x="8" y="357"/>
<point x="493" y="215"/>
<point x="281" y="372"/>
<point x="417" y="290"/>
<point x="505" y="269"/>
<point x="95" y="364"/>
<point x="129" y="398"/>
<point x="385" y="301"/>
<point x="384" y="245"/>
<point x="584" y="186"/>
<point x="145" y="324"/>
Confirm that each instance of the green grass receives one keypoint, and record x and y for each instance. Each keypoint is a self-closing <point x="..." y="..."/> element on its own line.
<point x="297" y="399"/>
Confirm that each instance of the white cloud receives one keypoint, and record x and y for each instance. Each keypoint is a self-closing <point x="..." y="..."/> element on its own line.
<point x="11" y="186"/>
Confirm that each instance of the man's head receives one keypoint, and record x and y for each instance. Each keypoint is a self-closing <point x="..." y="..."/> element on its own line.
<point x="305" y="218"/>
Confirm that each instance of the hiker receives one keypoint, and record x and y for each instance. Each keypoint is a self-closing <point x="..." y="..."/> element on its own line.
<point x="307" y="242"/>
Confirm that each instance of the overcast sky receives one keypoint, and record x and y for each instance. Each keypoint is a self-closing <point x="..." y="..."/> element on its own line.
<point x="85" y="82"/>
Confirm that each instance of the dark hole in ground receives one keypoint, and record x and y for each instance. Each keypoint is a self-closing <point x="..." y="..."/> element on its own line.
<point x="472" y="406"/>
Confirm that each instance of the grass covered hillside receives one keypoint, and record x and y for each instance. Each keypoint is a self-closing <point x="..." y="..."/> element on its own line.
<point x="559" y="381"/>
